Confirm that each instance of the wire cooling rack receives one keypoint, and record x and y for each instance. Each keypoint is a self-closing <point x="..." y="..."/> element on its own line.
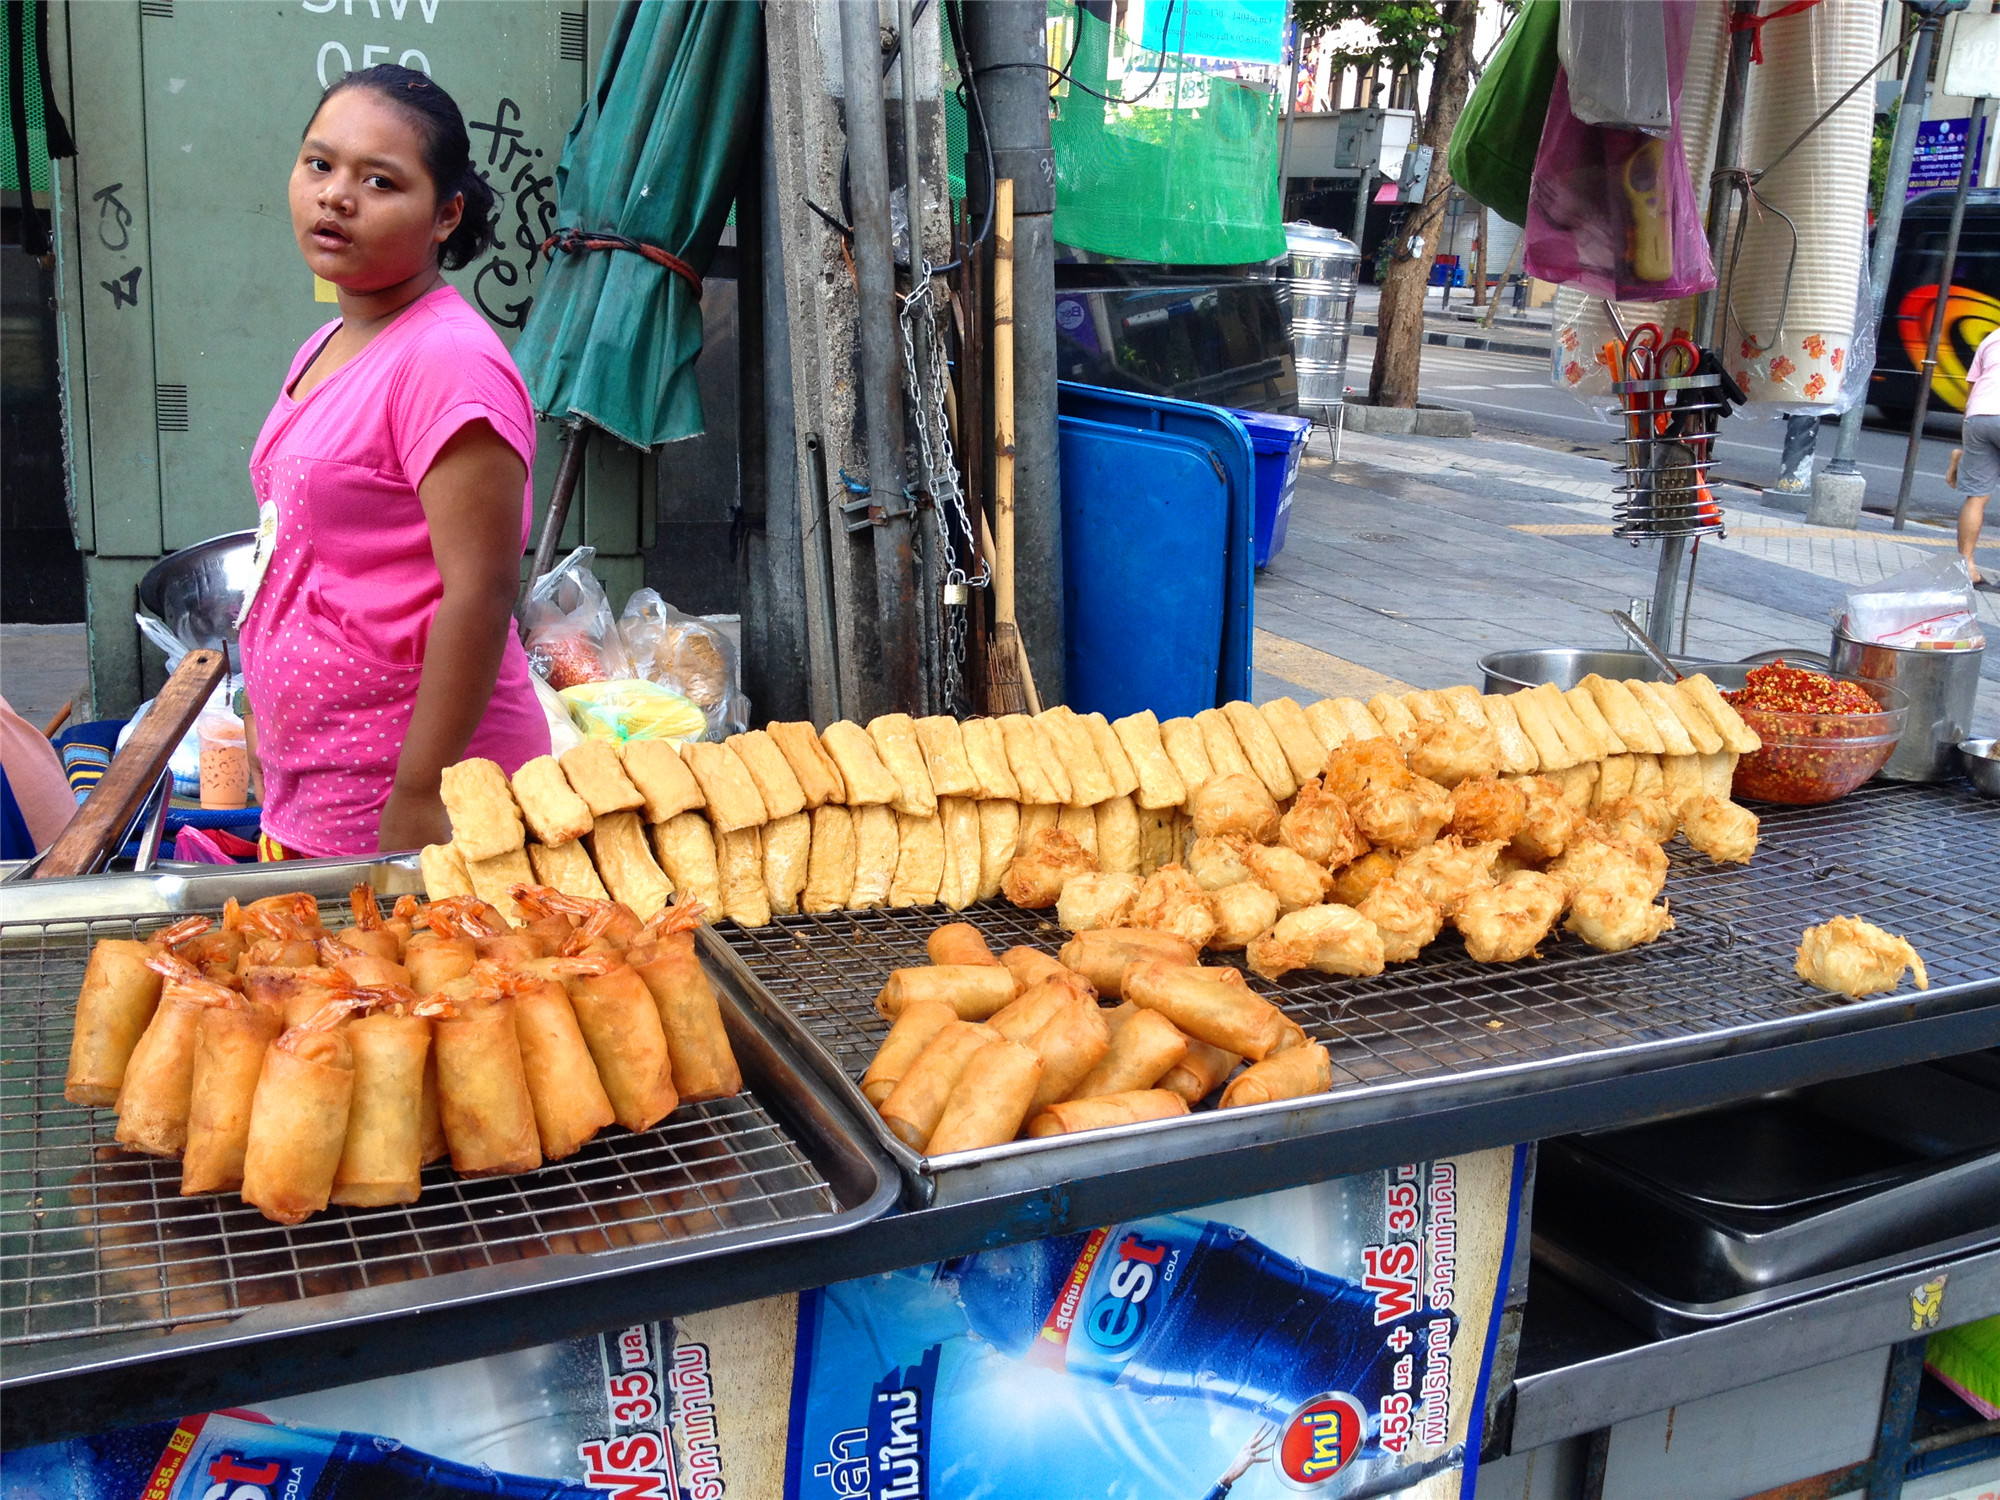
<point x="1920" y="861"/>
<point x="95" y="1241"/>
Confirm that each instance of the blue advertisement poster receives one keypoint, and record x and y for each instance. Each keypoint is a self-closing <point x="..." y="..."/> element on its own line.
<point x="1940" y="155"/>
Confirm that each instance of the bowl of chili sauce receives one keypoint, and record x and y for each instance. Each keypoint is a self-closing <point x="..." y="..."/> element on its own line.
<point x="1824" y="733"/>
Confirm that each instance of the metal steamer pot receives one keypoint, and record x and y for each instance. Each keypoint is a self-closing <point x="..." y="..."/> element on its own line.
<point x="1510" y="671"/>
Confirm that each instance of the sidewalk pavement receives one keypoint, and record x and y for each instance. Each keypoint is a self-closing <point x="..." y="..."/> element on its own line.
<point x="1414" y="557"/>
<point x="43" y="667"/>
<point x="1462" y="326"/>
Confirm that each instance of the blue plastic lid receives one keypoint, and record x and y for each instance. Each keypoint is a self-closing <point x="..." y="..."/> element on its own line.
<point x="1269" y="428"/>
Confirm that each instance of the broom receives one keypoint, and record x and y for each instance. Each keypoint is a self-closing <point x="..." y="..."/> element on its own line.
<point x="1010" y="685"/>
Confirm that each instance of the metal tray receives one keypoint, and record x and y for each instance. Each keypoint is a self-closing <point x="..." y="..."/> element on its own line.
<point x="104" y="1264"/>
<point x="1445" y="1031"/>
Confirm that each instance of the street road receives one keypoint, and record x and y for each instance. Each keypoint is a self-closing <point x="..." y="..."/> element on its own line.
<point x="1511" y="394"/>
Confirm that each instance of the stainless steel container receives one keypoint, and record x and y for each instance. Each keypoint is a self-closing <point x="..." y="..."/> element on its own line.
<point x="1510" y="671"/>
<point x="1942" y="687"/>
<point x="1322" y="287"/>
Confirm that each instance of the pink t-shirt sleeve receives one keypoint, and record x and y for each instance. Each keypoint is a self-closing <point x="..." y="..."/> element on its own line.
<point x="455" y="383"/>
<point x="1982" y="374"/>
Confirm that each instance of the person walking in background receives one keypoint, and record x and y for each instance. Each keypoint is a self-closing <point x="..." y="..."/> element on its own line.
<point x="1975" y="469"/>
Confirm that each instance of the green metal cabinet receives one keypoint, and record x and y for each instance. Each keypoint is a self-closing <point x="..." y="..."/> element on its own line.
<point x="182" y="292"/>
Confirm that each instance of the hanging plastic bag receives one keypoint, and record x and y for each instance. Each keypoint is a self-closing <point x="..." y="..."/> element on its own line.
<point x="633" y="710"/>
<point x="564" y="736"/>
<point x="571" y="634"/>
<point x="1615" y="57"/>
<point x="688" y="655"/>
<point x="1492" y="151"/>
<point x="1929" y="607"/>
<point x="1615" y="211"/>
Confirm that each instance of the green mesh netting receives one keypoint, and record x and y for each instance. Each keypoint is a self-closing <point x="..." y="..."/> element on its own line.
<point x="38" y="145"/>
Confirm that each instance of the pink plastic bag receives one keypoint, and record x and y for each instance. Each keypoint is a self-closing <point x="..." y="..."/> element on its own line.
<point x="1614" y="211"/>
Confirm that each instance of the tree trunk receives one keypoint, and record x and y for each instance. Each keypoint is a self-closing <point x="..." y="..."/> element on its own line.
<point x="1399" y="346"/>
<point x="1479" y="258"/>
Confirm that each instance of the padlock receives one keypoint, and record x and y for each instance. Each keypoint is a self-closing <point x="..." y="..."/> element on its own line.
<point x="957" y="594"/>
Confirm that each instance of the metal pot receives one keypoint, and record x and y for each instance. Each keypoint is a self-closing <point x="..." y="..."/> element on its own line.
<point x="196" y="591"/>
<point x="1510" y="671"/>
<point x="1942" y="687"/>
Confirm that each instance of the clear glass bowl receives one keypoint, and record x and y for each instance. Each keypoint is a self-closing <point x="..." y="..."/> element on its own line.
<point x="1812" y="758"/>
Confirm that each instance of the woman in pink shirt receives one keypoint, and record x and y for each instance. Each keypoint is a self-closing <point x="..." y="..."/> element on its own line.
<point x="392" y="480"/>
<point x="1975" y="469"/>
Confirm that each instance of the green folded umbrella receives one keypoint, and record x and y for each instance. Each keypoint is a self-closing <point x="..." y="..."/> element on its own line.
<point x="647" y="177"/>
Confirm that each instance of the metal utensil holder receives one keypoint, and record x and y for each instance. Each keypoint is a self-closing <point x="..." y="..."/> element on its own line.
<point x="1666" y="476"/>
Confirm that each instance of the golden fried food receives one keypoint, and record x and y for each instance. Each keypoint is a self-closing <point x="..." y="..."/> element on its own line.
<point x="963" y="853"/>
<point x="1036" y="878"/>
<point x="484" y="821"/>
<point x="1328" y="728"/>
<point x="1550" y="750"/>
<point x="598" y="775"/>
<point x="1549" y="822"/>
<point x="1117" y="821"/>
<point x="1160" y="783"/>
<point x="829" y="861"/>
<point x="1089" y="782"/>
<point x="818" y="776"/>
<point x="494" y="879"/>
<point x="1319" y="826"/>
<point x="876" y="848"/>
<point x="1447" y="752"/>
<point x="1401" y="818"/>
<point x="1295" y="736"/>
<point x="986" y="753"/>
<point x="787" y="857"/>
<point x="1032" y="757"/>
<point x="1101" y="956"/>
<point x="999" y="833"/>
<point x="1592" y="860"/>
<point x="734" y="803"/>
<point x="1448" y="871"/>
<point x="685" y="848"/>
<point x="1236" y="803"/>
<point x="1080" y="823"/>
<point x="1621" y="711"/>
<point x="1694" y="718"/>
<point x="1353" y="881"/>
<point x="943" y="744"/>
<point x="895" y="737"/>
<point x="1295" y="1073"/>
<point x="1158" y="842"/>
<point x="1603" y="738"/>
<point x="1612" y="920"/>
<point x="1515" y="750"/>
<point x="1681" y="781"/>
<point x="771" y="771"/>
<point x="1242" y="910"/>
<point x="663" y="779"/>
<point x="1035" y="816"/>
<point x="1578" y="783"/>
<point x="1652" y="699"/>
<point x="1639" y="820"/>
<point x="444" y="871"/>
<point x="1225" y="750"/>
<point x="1721" y="829"/>
<point x="1093" y="900"/>
<point x="1362" y="763"/>
<point x="1111" y="753"/>
<point x="1648" y="780"/>
<point x="739" y="859"/>
<point x="1737" y="737"/>
<point x="868" y="782"/>
<point x="919" y="859"/>
<point x="1295" y="880"/>
<point x="1484" y="808"/>
<point x="1508" y="921"/>
<point x="1217" y="862"/>
<point x="1848" y="956"/>
<point x="1171" y="902"/>
<point x="1394" y="716"/>
<point x="550" y="807"/>
<point x="567" y="868"/>
<point x="1261" y="748"/>
<point x="1330" y="939"/>
<point x="1407" y="919"/>
<point x="1183" y="743"/>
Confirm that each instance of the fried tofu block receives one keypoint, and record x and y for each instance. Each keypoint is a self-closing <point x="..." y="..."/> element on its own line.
<point x="1327" y="726"/>
<point x="1736" y="735"/>
<point x="895" y="737"/>
<point x="1563" y="719"/>
<point x="549" y="806"/>
<point x="868" y="782"/>
<point x="919" y="860"/>
<point x="877" y="847"/>
<point x="493" y="880"/>
<point x="1631" y="723"/>
<point x="1516" y="752"/>
<point x="1694" y="718"/>
<point x="1118" y="836"/>
<point x="1465" y="703"/>
<point x="1260" y="747"/>
<point x="1718" y="773"/>
<point x="739" y="856"/>
<point x="1614" y="779"/>
<point x="818" y="777"/>
<point x="663" y="779"/>
<point x="1159" y="843"/>
<point x="444" y="872"/>
<point x="787" y="849"/>
<point x="484" y="820"/>
<point x="1189" y="753"/>
<point x="1680" y="776"/>
<point x="1225" y="750"/>
<point x="1550" y="750"/>
<point x="685" y="846"/>
<point x="1361" y="723"/>
<point x="1080" y="823"/>
<point x="1647" y="778"/>
<point x="1089" y="782"/>
<point x="830" y="862"/>
<point x="1035" y="816"/>
<point x="625" y="864"/>
<point x="1578" y="783"/>
<point x="1160" y="783"/>
<point x="999" y="830"/>
<point x="958" y="818"/>
<point x="772" y="772"/>
<point x="1111" y="751"/>
<point x="1673" y="738"/>
<point x="1037" y="771"/>
<point x="567" y="868"/>
<point x="943" y="744"/>
<point x="734" y="803"/>
<point x="598" y="775"/>
<point x="1424" y="706"/>
<point x="1389" y="711"/>
<point x="1584" y="705"/>
<point x="986" y="752"/>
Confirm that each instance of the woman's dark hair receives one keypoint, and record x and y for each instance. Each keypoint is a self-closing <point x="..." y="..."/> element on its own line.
<point x="446" y="148"/>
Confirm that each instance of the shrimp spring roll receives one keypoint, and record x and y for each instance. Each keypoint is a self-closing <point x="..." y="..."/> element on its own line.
<point x="989" y="1103"/>
<point x="959" y="943"/>
<point x="1025" y="1015"/>
<point x="975" y="991"/>
<point x="920" y="1021"/>
<point x="298" y="1119"/>
<point x="1142" y="1051"/>
<point x="1291" y="1074"/>
<point x="297" y="995"/>
<point x="229" y="1045"/>
<point x="1031" y="965"/>
<point x="1101" y="954"/>
<point x="1197" y="1075"/>
<point x="916" y="1103"/>
<point x="435" y="961"/>
<point x="1072" y="1042"/>
<point x="621" y="1025"/>
<point x="366" y="970"/>
<point x="430" y="1116"/>
<point x="563" y="1085"/>
<point x="154" y="1099"/>
<point x="483" y="1099"/>
<point x="1072" y="1115"/>
<point x="697" y="1042"/>
<point x="383" y="1158"/>
<point x="369" y="934"/>
<point x="120" y="994"/>
<point x="1212" y="1010"/>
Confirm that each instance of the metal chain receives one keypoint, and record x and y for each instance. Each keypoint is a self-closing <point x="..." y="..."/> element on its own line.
<point x="939" y="466"/>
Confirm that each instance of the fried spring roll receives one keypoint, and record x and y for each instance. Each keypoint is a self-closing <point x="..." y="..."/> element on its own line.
<point x="1072" y="1115"/>
<point x="1028" y="1012"/>
<point x="483" y="1099"/>
<point x="564" y="1089"/>
<point x="113" y="1011"/>
<point x="1101" y="954"/>
<point x="917" y="1102"/>
<point x="298" y="1120"/>
<point x="154" y="1100"/>
<point x="919" y="1023"/>
<point x="1072" y="1042"/>
<point x="382" y="1158"/>
<point x="958" y="943"/>
<point x="435" y="962"/>
<point x="1142" y="1052"/>
<point x="975" y="991"/>
<point x="621" y="1024"/>
<point x="429" y="1115"/>
<point x="1031" y="966"/>
<point x="704" y="1064"/>
<point x="1209" y="1009"/>
<point x="1201" y="1072"/>
<point x="989" y="1103"/>
<point x="229" y="1050"/>
<point x="1291" y="1074"/>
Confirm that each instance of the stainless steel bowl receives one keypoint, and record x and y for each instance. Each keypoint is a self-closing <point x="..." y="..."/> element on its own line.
<point x="196" y="591"/>
<point x="1510" y="671"/>
<point x="1981" y="760"/>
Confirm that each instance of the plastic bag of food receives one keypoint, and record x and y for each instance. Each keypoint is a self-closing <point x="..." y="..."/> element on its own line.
<point x="563" y="733"/>
<point x="633" y="709"/>
<point x="688" y="655"/>
<point x="571" y="634"/>
<point x="1929" y="606"/>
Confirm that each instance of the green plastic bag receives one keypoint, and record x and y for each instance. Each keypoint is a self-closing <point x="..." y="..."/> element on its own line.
<point x="1492" y="151"/>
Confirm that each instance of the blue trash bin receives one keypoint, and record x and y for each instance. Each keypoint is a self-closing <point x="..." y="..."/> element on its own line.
<point x="1279" y="443"/>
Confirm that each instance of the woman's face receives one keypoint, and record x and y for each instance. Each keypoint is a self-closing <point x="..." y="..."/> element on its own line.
<point x="364" y="209"/>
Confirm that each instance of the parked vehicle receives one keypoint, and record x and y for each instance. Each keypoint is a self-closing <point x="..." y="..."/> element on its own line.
<point x="1972" y="312"/>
